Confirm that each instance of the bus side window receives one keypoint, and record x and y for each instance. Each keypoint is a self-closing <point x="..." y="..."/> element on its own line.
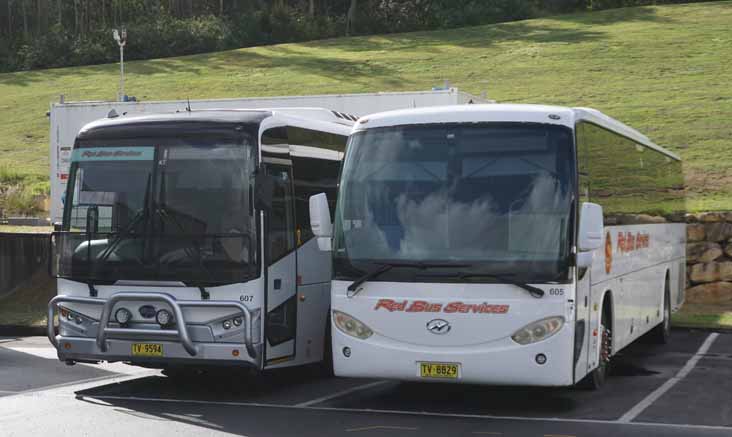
<point x="313" y="176"/>
<point x="281" y="226"/>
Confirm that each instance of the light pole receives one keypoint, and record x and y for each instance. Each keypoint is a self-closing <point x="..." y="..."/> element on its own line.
<point x="121" y="38"/>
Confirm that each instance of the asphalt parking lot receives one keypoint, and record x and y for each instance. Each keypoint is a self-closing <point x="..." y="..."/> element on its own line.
<point x="681" y="389"/>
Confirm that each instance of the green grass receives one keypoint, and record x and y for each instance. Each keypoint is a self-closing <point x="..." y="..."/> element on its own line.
<point x="704" y="316"/>
<point x="25" y="229"/>
<point x="664" y="70"/>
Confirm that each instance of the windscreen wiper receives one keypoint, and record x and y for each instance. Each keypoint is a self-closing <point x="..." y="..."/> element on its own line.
<point x="138" y="217"/>
<point x="384" y="267"/>
<point x="534" y="291"/>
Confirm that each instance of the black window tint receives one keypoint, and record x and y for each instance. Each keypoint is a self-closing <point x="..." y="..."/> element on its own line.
<point x="632" y="182"/>
<point x="308" y="137"/>
<point x="276" y="135"/>
<point x="313" y="176"/>
<point x="281" y="233"/>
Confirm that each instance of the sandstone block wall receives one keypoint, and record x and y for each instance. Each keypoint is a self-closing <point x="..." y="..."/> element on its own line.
<point x="709" y="258"/>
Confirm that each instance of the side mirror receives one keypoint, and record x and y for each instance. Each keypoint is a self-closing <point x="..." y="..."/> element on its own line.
<point x="590" y="235"/>
<point x="320" y="221"/>
<point x="263" y="190"/>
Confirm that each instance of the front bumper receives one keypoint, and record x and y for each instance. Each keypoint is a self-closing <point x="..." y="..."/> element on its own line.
<point x="86" y="349"/>
<point x="501" y="362"/>
<point x="115" y="343"/>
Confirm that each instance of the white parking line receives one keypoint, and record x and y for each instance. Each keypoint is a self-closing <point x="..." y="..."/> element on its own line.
<point x="340" y="393"/>
<point x="656" y="394"/>
<point x="405" y="412"/>
<point x="382" y="427"/>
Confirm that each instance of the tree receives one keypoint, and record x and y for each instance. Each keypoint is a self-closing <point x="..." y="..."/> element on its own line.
<point x="351" y="18"/>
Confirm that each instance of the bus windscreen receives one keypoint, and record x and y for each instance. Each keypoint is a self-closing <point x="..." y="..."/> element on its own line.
<point x="496" y="198"/>
<point x="160" y="210"/>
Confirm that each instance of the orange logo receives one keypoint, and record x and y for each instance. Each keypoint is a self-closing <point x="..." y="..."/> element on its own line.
<point x="608" y="253"/>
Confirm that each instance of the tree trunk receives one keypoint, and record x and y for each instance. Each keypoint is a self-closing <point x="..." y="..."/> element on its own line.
<point x="40" y="13"/>
<point x="59" y="12"/>
<point x="311" y="8"/>
<point x="351" y="18"/>
<point x="221" y="8"/>
<point x="10" y="17"/>
<point x="76" y="17"/>
<point x="24" y="12"/>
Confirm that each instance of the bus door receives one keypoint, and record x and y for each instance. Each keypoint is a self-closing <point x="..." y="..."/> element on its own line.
<point x="280" y="257"/>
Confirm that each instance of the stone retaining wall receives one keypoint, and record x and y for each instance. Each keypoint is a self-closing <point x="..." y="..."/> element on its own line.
<point x="709" y="258"/>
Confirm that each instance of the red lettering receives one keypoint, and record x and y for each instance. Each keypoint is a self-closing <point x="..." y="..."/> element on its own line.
<point x="418" y="306"/>
<point x="452" y="307"/>
<point x="391" y="305"/>
<point x="384" y="303"/>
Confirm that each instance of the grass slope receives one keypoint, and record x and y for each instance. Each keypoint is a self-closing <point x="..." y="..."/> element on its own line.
<point x="664" y="70"/>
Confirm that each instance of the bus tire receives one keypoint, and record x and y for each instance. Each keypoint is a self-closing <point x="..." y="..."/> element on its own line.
<point x="596" y="379"/>
<point x="327" y="364"/>
<point x="661" y="334"/>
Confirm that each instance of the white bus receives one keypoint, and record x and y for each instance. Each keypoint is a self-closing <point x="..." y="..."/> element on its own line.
<point x="186" y="239"/>
<point x="500" y="244"/>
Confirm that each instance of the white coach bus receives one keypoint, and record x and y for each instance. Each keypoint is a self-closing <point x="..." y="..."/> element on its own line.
<point x="186" y="239"/>
<point x="500" y="244"/>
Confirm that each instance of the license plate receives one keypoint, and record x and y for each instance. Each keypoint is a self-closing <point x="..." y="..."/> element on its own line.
<point x="439" y="370"/>
<point x="147" y="349"/>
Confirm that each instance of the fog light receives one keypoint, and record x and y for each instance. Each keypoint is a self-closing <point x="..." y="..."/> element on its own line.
<point x="122" y="316"/>
<point x="346" y="351"/>
<point x="237" y="321"/>
<point x="164" y="318"/>
<point x="541" y="359"/>
<point x="227" y="324"/>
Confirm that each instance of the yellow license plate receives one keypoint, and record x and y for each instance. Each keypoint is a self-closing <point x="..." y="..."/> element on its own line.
<point x="147" y="349"/>
<point x="439" y="370"/>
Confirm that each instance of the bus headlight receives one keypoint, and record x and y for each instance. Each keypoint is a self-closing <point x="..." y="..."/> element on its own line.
<point x="351" y="326"/>
<point x="538" y="331"/>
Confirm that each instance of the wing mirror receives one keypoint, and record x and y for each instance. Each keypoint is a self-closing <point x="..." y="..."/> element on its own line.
<point x="590" y="235"/>
<point x="320" y="221"/>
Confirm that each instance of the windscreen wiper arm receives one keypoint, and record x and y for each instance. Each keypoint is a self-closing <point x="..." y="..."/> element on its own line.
<point x="386" y="266"/>
<point x="534" y="291"/>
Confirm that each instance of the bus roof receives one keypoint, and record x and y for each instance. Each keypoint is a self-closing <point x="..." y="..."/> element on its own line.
<point x="558" y="115"/>
<point x="319" y="118"/>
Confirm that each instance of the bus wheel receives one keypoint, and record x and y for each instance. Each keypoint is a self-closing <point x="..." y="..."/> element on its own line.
<point x="596" y="379"/>
<point x="661" y="334"/>
<point x="326" y="366"/>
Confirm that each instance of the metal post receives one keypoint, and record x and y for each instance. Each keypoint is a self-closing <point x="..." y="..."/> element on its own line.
<point x="121" y="38"/>
<point x="121" y="72"/>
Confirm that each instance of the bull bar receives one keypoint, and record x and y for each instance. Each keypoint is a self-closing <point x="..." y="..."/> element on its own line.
<point x="181" y="331"/>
